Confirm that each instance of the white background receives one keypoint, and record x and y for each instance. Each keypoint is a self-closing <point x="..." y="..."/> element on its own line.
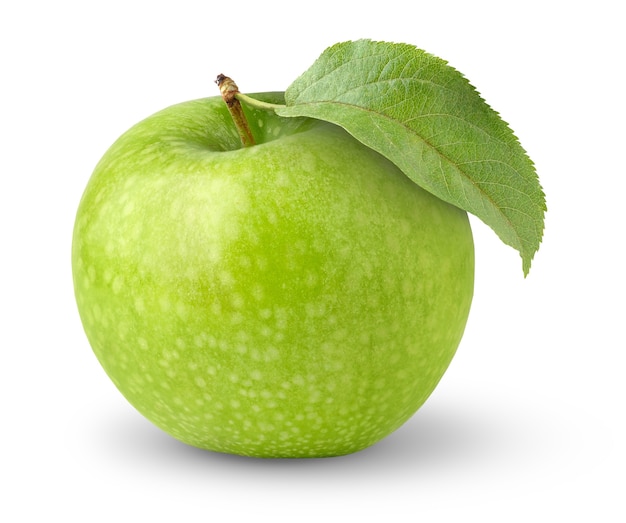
<point x="528" y="423"/>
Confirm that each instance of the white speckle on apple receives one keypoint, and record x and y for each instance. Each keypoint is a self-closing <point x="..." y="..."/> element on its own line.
<point x="311" y="279"/>
<point x="226" y="278"/>
<point x="257" y="292"/>
<point x="266" y="331"/>
<point x="315" y="310"/>
<point x="118" y="283"/>
<point x="181" y="310"/>
<point x="272" y="354"/>
<point x="140" y="305"/>
<point x="237" y="301"/>
<point x="96" y="313"/>
<point x="265" y="426"/>
<point x="165" y="303"/>
<point x="91" y="274"/>
<point x="172" y="354"/>
<point x="215" y="309"/>
<point x="128" y="208"/>
<point x="314" y="395"/>
<point x="236" y="318"/>
<point x="266" y="394"/>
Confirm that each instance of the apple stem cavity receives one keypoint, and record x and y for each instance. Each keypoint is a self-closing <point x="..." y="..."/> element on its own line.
<point x="229" y="91"/>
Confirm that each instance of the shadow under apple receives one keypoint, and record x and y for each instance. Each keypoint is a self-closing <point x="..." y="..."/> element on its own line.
<point x="436" y="437"/>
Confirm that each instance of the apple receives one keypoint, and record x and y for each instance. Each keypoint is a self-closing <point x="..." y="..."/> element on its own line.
<point x="300" y="297"/>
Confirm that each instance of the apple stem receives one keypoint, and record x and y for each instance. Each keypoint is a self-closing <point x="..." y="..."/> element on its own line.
<point x="229" y="91"/>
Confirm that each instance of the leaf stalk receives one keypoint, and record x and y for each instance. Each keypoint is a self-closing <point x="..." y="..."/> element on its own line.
<point x="257" y="104"/>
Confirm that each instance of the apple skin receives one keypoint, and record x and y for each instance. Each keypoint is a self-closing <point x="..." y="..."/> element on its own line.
<point x="297" y="298"/>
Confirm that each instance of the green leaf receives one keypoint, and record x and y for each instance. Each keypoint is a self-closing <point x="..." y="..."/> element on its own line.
<point x="425" y="117"/>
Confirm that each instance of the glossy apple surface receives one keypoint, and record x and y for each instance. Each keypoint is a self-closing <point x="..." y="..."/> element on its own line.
<point x="297" y="298"/>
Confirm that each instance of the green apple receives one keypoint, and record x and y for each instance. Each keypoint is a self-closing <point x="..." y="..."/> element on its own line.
<point x="297" y="298"/>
